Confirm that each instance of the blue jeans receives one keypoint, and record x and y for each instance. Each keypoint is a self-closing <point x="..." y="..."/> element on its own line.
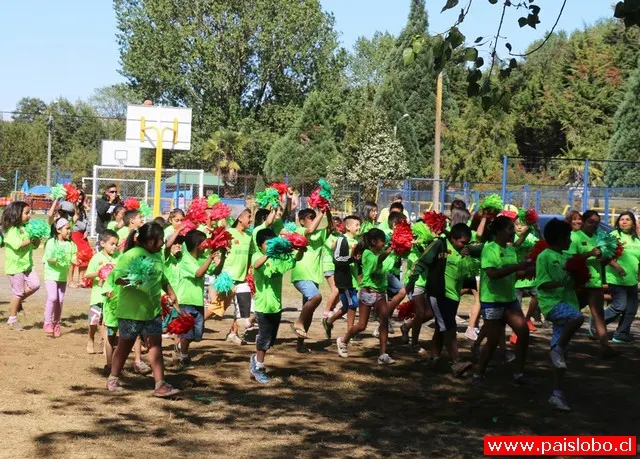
<point x="495" y="311"/>
<point x="624" y="304"/>
<point x="394" y="285"/>
<point x="308" y="289"/>
<point x="197" y="312"/>
<point x="559" y="315"/>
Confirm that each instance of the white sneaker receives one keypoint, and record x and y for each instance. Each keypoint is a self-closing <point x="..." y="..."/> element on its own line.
<point x="390" y="328"/>
<point x="342" y="348"/>
<point x="235" y="339"/>
<point x="471" y="334"/>
<point x="376" y="332"/>
<point x="557" y="358"/>
<point x="558" y="402"/>
<point x="384" y="359"/>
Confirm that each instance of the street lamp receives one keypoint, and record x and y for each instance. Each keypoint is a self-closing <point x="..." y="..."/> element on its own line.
<point x="395" y="128"/>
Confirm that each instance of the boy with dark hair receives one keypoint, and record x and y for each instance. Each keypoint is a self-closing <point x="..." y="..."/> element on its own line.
<point x="132" y="222"/>
<point x="558" y="302"/>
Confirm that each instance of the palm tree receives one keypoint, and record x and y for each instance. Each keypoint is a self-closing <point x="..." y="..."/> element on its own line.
<point x="226" y="148"/>
<point x="572" y="170"/>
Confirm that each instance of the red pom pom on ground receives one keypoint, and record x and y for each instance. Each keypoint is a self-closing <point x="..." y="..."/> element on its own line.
<point x="318" y="202"/>
<point x="220" y="239"/>
<point x="577" y="267"/>
<point x="181" y="324"/>
<point x="436" y="221"/>
<point x="406" y="310"/>
<point x="105" y="271"/>
<point x="402" y="238"/>
<point x="219" y="212"/>
<point x="131" y="204"/>
<point x="298" y="241"/>
<point x="73" y="194"/>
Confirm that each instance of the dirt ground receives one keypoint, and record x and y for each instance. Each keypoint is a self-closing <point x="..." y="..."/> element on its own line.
<point x="53" y="401"/>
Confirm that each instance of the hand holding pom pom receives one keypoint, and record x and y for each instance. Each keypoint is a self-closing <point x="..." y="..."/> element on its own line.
<point x="72" y="193"/>
<point x="608" y="244"/>
<point x="251" y="282"/>
<point x="181" y="324"/>
<point x="105" y="271"/>
<point x="219" y="212"/>
<point x="422" y="233"/>
<point x="213" y="199"/>
<point x="220" y="239"/>
<point x="290" y="227"/>
<point x="58" y="192"/>
<point x="282" y="188"/>
<point x="187" y="225"/>
<point x="402" y="238"/>
<point x="268" y="199"/>
<point x="145" y="210"/>
<point x="197" y="211"/>
<point x="324" y="189"/>
<point x="297" y="241"/>
<point x="316" y="200"/>
<point x="279" y="248"/>
<point x="492" y="203"/>
<point x="223" y="283"/>
<point x="577" y="267"/>
<point x="37" y="229"/>
<point x="131" y="203"/>
<point x="406" y="310"/>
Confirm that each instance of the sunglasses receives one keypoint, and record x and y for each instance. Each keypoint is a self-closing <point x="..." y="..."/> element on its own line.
<point x="111" y="192"/>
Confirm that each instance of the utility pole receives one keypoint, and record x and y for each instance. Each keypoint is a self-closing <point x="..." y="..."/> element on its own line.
<point x="436" y="150"/>
<point x="49" y="129"/>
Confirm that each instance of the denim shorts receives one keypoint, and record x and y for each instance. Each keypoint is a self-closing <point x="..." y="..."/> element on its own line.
<point x="495" y="311"/>
<point x="329" y="274"/>
<point x="370" y="297"/>
<point x="349" y="299"/>
<point x="268" y="324"/>
<point x="559" y="315"/>
<point x="307" y="288"/>
<point x="197" y="312"/>
<point x="394" y="285"/>
<point x="526" y="291"/>
<point x="131" y="329"/>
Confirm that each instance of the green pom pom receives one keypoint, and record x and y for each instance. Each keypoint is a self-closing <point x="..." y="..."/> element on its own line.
<point x="141" y="271"/>
<point x="61" y="255"/>
<point x="223" y="283"/>
<point x="422" y="233"/>
<point x="290" y="227"/>
<point x="279" y="248"/>
<point x="522" y="216"/>
<point x="325" y="189"/>
<point x="468" y="268"/>
<point x="58" y="192"/>
<point x="492" y="202"/>
<point x="607" y="243"/>
<point x="268" y="199"/>
<point x="213" y="199"/>
<point x="37" y="229"/>
<point x="145" y="210"/>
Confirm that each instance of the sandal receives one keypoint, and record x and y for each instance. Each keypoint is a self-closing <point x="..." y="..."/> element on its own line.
<point x="299" y="331"/>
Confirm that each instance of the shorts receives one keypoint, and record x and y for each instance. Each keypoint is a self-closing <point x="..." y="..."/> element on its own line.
<point x="417" y="291"/>
<point x="268" y="324"/>
<point x="243" y="305"/>
<point x="112" y="331"/>
<point x="197" y="312"/>
<point x="95" y="314"/>
<point x="349" y="299"/>
<point x="444" y="311"/>
<point x="131" y="329"/>
<point x="559" y="315"/>
<point x="329" y="274"/>
<point x="370" y="297"/>
<point x="495" y="311"/>
<point x="21" y="280"/>
<point x="394" y="285"/>
<point x="524" y="292"/>
<point x="308" y="289"/>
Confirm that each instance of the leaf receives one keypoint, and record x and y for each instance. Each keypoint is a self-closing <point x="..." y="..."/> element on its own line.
<point x="478" y="40"/>
<point x="493" y="2"/>
<point x="620" y="11"/>
<point x="473" y="89"/>
<point x="486" y="86"/>
<point x="474" y="75"/>
<point x="513" y="64"/>
<point x="532" y="20"/>
<point x="522" y="22"/>
<point x="417" y="44"/>
<point x="470" y="54"/>
<point x="505" y="73"/>
<point x="508" y="46"/>
<point x="450" y="4"/>
<point x="479" y="62"/>
<point x="487" y="102"/>
<point x="535" y="9"/>
<point x="455" y="37"/>
<point x="408" y="56"/>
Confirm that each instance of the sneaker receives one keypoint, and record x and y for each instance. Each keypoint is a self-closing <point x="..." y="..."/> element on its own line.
<point x="521" y="381"/>
<point x="260" y="375"/>
<point x="302" y="349"/>
<point x="532" y="327"/>
<point x="557" y="358"/>
<point x="509" y="356"/>
<point x="113" y="385"/>
<point x="327" y="328"/>
<point x="166" y="390"/>
<point x="142" y="368"/>
<point x="459" y="368"/>
<point x="418" y="350"/>
<point x="384" y="359"/>
<point x="478" y="381"/>
<point x="57" y="331"/>
<point x="185" y="364"/>
<point x="48" y="329"/>
<point x="252" y="362"/>
<point x="432" y="362"/>
<point x="15" y="326"/>
<point x="623" y="338"/>
<point x="460" y="320"/>
<point x="404" y="329"/>
<point x="342" y="348"/>
<point x="513" y="339"/>
<point x="235" y="339"/>
<point x="392" y="331"/>
<point x="376" y="332"/>
<point x="471" y="334"/>
<point x="559" y="403"/>
<point x="251" y="327"/>
<point x="592" y="330"/>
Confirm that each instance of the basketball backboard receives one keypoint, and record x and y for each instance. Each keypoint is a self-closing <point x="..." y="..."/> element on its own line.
<point x="120" y="154"/>
<point x="144" y="122"/>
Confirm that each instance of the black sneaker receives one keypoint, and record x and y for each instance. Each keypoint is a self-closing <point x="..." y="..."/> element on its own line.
<point x="185" y="364"/>
<point x="327" y="328"/>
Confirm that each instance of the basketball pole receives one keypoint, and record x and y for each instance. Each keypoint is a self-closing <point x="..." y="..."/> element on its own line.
<point x="157" y="184"/>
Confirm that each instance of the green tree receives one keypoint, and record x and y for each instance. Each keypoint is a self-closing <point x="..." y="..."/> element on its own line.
<point x="225" y="149"/>
<point x="29" y="110"/>
<point x="23" y="148"/>
<point x="625" y="141"/>
<point x="366" y="63"/>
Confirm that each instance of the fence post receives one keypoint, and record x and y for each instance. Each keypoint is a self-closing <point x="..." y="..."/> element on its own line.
<point x="286" y="178"/>
<point x="443" y="193"/>
<point x="476" y="199"/>
<point x="585" y="187"/>
<point x="465" y="192"/>
<point x="570" y="199"/>
<point x="177" y="192"/>
<point x="606" y="205"/>
<point x="408" y="190"/>
<point x="537" y="204"/>
<point x="201" y="186"/>
<point x="15" y="182"/>
<point x="94" y="197"/>
<point x="525" y="197"/>
<point x="505" y="164"/>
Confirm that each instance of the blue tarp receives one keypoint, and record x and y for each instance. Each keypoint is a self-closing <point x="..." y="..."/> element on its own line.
<point x="39" y="189"/>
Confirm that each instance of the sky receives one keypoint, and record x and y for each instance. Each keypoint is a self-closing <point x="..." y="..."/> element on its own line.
<point x="67" y="48"/>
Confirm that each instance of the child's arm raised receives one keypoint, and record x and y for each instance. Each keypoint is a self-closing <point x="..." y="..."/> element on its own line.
<point x="260" y="261"/>
<point x="270" y="218"/>
<point x="287" y="207"/>
<point x="329" y="222"/>
<point x="316" y="222"/>
<point x="172" y="239"/>
<point x="52" y="210"/>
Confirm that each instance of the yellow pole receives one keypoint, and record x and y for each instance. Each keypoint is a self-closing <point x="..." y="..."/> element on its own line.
<point x="436" y="149"/>
<point x="158" y="177"/>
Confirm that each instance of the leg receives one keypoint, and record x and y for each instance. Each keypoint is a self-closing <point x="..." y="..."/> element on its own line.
<point x="50" y="306"/>
<point x="515" y="318"/>
<point x="110" y="344"/>
<point x="423" y="314"/>
<point x="332" y="299"/>
<point x="533" y="307"/>
<point x="120" y="355"/>
<point x="474" y="316"/>
<point x="618" y="303"/>
<point x="624" y="327"/>
<point x="32" y="284"/>
<point x="491" y="328"/>
<point x="596" y="301"/>
<point x="312" y="298"/>
<point x="154" y="345"/>
<point x="364" y="311"/>
<point x="137" y="352"/>
<point x="384" y="314"/>
<point x="61" y="288"/>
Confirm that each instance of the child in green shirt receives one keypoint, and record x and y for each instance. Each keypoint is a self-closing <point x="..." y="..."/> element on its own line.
<point x="138" y="309"/>
<point x="328" y="267"/>
<point x="558" y="302"/>
<point x="59" y="254"/>
<point x="18" y="258"/>
<point x="267" y="274"/>
<point x="108" y="243"/>
<point x="190" y="290"/>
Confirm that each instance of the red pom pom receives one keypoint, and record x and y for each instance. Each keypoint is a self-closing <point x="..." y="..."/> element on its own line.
<point x="165" y="303"/>
<point x="619" y="250"/>
<point x="531" y="217"/>
<point x="131" y="204"/>
<point x="511" y="215"/>
<point x="73" y="194"/>
<point x="317" y="201"/>
<point x="219" y="212"/>
<point x="436" y="221"/>
<point x="83" y="257"/>
<point x="406" y="310"/>
<point x="298" y="241"/>
<point x="281" y="187"/>
<point x="197" y="212"/>
<point x="181" y="324"/>
<point x="105" y="271"/>
<point x="252" y="283"/>
<point x="339" y="227"/>
<point x="87" y="283"/>
<point x="537" y="249"/>
<point x="187" y="225"/>
<point x="402" y="238"/>
<point x="220" y="239"/>
<point x="577" y="267"/>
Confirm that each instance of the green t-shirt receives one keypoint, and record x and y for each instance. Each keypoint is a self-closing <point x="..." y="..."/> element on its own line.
<point x="190" y="289"/>
<point x="58" y="271"/>
<point x="310" y="267"/>
<point x="327" y="253"/>
<point x="139" y="302"/>
<point x="355" y="274"/>
<point x="452" y="281"/>
<point x="523" y="252"/>
<point x="374" y="277"/>
<point x="172" y="268"/>
<point x="412" y="259"/>
<point x="109" y="304"/>
<point x="268" y="280"/>
<point x="17" y="259"/>
<point x="392" y="262"/>
<point x="168" y="232"/>
<point x="497" y="290"/>
<point x="237" y="262"/>
<point x="98" y="261"/>
<point x="366" y="226"/>
<point x="580" y="244"/>
<point x="254" y="236"/>
<point x="629" y="261"/>
<point x="277" y="226"/>
<point x="550" y="268"/>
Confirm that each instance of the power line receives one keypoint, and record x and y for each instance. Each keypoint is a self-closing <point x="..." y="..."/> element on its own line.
<point x="63" y="115"/>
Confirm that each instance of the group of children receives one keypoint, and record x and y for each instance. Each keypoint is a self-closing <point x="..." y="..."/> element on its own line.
<point x="355" y="257"/>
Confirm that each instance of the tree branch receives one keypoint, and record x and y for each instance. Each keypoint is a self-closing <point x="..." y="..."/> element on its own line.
<point x="497" y="37"/>
<point x="547" y="37"/>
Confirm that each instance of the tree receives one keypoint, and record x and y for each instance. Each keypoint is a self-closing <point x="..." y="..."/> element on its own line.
<point x="366" y="63"/>
<point x="111" y="101"/>
<point x="226" y="148"/>
<point x="29" y="110"/>
<point x="23" y="148"/>
<point x="625" y="141"/>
